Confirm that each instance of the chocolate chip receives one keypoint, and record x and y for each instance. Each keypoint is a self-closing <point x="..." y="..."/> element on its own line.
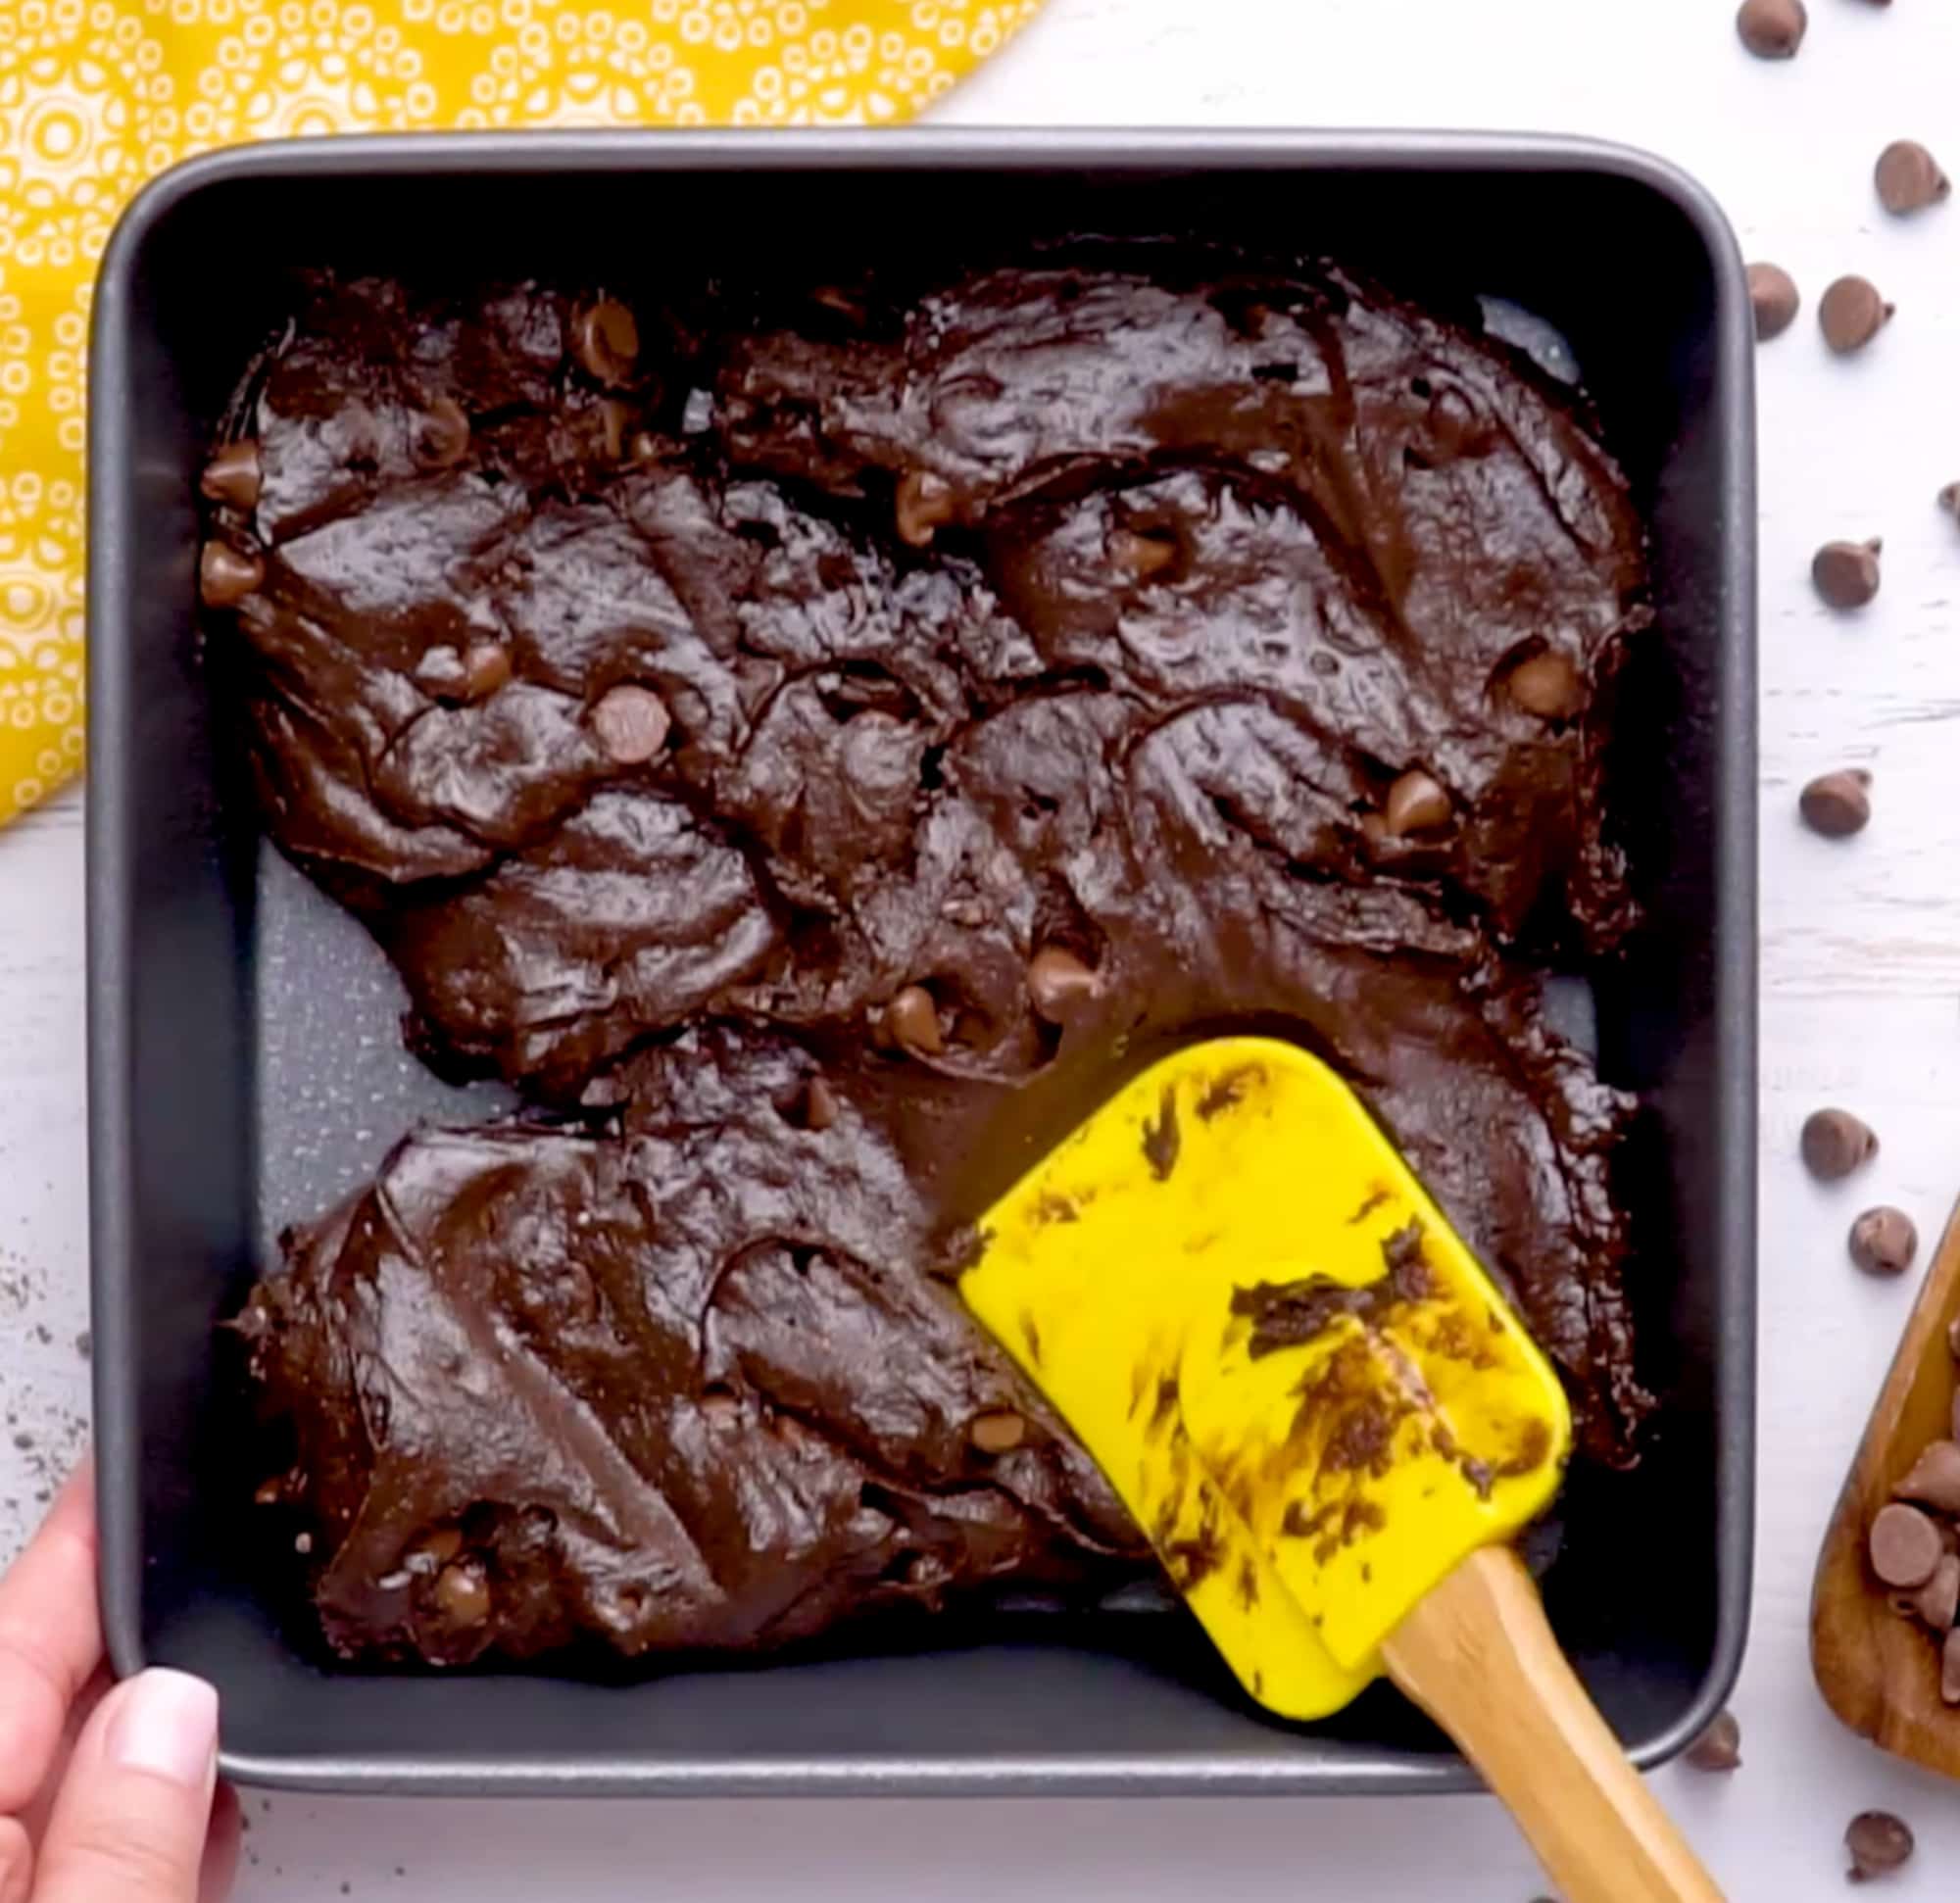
<point x="1774" y="298"/>
<point x="1850" y="314"/>
<point x="1416" y="804"/>
<point x="1846" y="573"/>
<point x="486" y="666"/>
<point x="606" y="340"/>
<point x="1059" y="984"/>
<point x="1719" y="1746"/>
<point x="1910" y="178"/>
<point x="1878" y="1843"/>
<point x="1937" y="1602"/>
<point x="923" y="504"/>
<point x="819" y="1105"/>
<point x="1835" y="1143"/>
<point x="1547" y="685"/>
<point x="439" y="438"/>
<point x="1000" y="1430"/>
<point x="1838" y="805"/>
<point x="1141" y="554"/>
<point x="232" y="477"/>
<point x="1933" y="1479"/>
<point x="463" y="1593"/>
<point x="1772" y="29"/>
<point x="912" y="1020"/>
<point x="225" y="575"/>
<point x="631" y="723"/>
<point x="1904" y="1547"/>
<point x="1883" y="1242"/>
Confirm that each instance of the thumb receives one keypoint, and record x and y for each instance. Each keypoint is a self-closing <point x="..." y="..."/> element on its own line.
<point x="129" y="1820"/>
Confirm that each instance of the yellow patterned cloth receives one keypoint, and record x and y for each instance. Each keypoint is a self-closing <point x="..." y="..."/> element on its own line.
<point x="96" y="96"/>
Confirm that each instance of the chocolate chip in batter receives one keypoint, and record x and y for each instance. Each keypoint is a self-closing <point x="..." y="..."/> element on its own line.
<point x="1059" y="984"/>
<point x="225" y="575"/>
<point x="1851" y="313"/>
<point x="1878" y="1843"/>
<point x="998" y="1430"/>
<point x="232" y="477"/>
<point x="1772" y="29"/>
<point x="923" y="504"/>
<point x="911" y="1021"/>
<point x="1910" y="178"/>
<point x="1774" y="299"/>
<point x="440" y="436"/>
<point x="605" y="340"/>
<point x="1904" y="1547"/>
<point x="1835" y="1143"/>
<point x="632" y="723"/>
<point x="1719" y="1746"/>
<point x="819" y="1105"/>
<point x="486" y="666"/>
<point x="1846" y="573"/>
<point x="1547" y="685"/>
<point x="463" y="1592"/>
<point x="1416" y="804"/>
<point x="1838" y="805"/>
<point x="1141" y="553"/>
<point x="1933" y="1479"/>
<point x="1884" y="1241"/>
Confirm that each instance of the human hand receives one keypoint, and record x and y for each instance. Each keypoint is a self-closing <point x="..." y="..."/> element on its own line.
<point x="107" y="1795"/>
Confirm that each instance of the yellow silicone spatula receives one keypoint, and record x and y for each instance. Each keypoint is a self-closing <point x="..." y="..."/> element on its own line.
<point x="1328" y="1420"/>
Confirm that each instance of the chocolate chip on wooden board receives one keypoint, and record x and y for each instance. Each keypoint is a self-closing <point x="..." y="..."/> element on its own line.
<point x="1719" y="1747"/>
<point x="1838" y="805"/>
<point x="1884" y="1241"/>
<point x="1938" y="1602"/>
<point x="1774" y="299"/>
<point x="1835" y="1143"/>
<point x="1846" y="573"/>
<point x="1903" y="1545"/>
<point x="1851" y="313"/>
<point x="1910" y="178"/>
<point x="1877" y="1843"/>
<point x="1772" y="29"/>
<point x="1933" y="1479"/>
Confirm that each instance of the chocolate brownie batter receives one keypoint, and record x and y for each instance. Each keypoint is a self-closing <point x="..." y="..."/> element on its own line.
<point x="815" y="751"/>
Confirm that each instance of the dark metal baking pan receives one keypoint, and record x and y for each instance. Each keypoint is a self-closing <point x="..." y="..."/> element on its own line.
<point x="245" y="1062"/>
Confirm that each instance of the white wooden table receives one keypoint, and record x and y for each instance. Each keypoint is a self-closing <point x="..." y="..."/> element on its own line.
<point x="1861" y="967"/>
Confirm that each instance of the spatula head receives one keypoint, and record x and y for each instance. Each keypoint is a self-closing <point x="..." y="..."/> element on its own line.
<point x="1305" y="1387"/>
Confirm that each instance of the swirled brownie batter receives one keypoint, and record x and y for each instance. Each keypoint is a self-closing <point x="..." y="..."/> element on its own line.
<point x="813" y="748"/>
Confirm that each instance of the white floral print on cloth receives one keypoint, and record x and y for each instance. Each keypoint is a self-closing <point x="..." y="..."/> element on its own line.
<point x="98" y="95"/>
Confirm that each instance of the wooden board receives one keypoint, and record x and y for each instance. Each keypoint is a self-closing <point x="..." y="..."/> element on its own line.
<point x="1879" y="1672"/>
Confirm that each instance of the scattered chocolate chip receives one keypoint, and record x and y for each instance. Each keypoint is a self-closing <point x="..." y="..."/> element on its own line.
<point x="1846" y="573"/>
<point x="486" y="666"/>
<point x="1838" y="805"/>
<point x="631" y="723"/>
<point x="1547" y="685"/>
<point x="923" y="504"/>
<point x="1878" y="1843"/>
<point x="998" y="1432"/>
<point x="1910" y="178"/>
<point x="463" y="1593"/>
<point x="1883" y="1242"/>
<point x="439" y="438"/>
<point x="1772" y="29"/>
<point x="1059" y="984"/>
<point x="1850" y="314"/>
<point x="1835" y="1143"/>
<point x="1949" y="1669"/>
<point x="1937" y="1602"/>
<point x="1774" y="298"/>
<point x="1933" y="1479"/>
<point x="1904" y="1547"/>
<point x="1141" y="554"/>
<point x="225" y="576"/>
<point x="911" y="1021"/>
<point x="1719" y="1746"/>
<point x="232" y="477"/>
<point x="819" y="1105"/>
<point x="606" y="340"/>
<point x="1416" y="804"/>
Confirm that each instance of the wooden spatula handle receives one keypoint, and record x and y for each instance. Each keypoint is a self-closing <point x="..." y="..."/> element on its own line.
<point x="1478" y="1655"/>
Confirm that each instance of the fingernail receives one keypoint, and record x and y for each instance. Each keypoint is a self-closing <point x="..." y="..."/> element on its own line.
<point x="166" y="1723"/>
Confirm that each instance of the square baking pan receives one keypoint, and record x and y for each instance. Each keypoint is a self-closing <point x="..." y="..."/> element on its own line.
<point x="246" y="1065"/>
